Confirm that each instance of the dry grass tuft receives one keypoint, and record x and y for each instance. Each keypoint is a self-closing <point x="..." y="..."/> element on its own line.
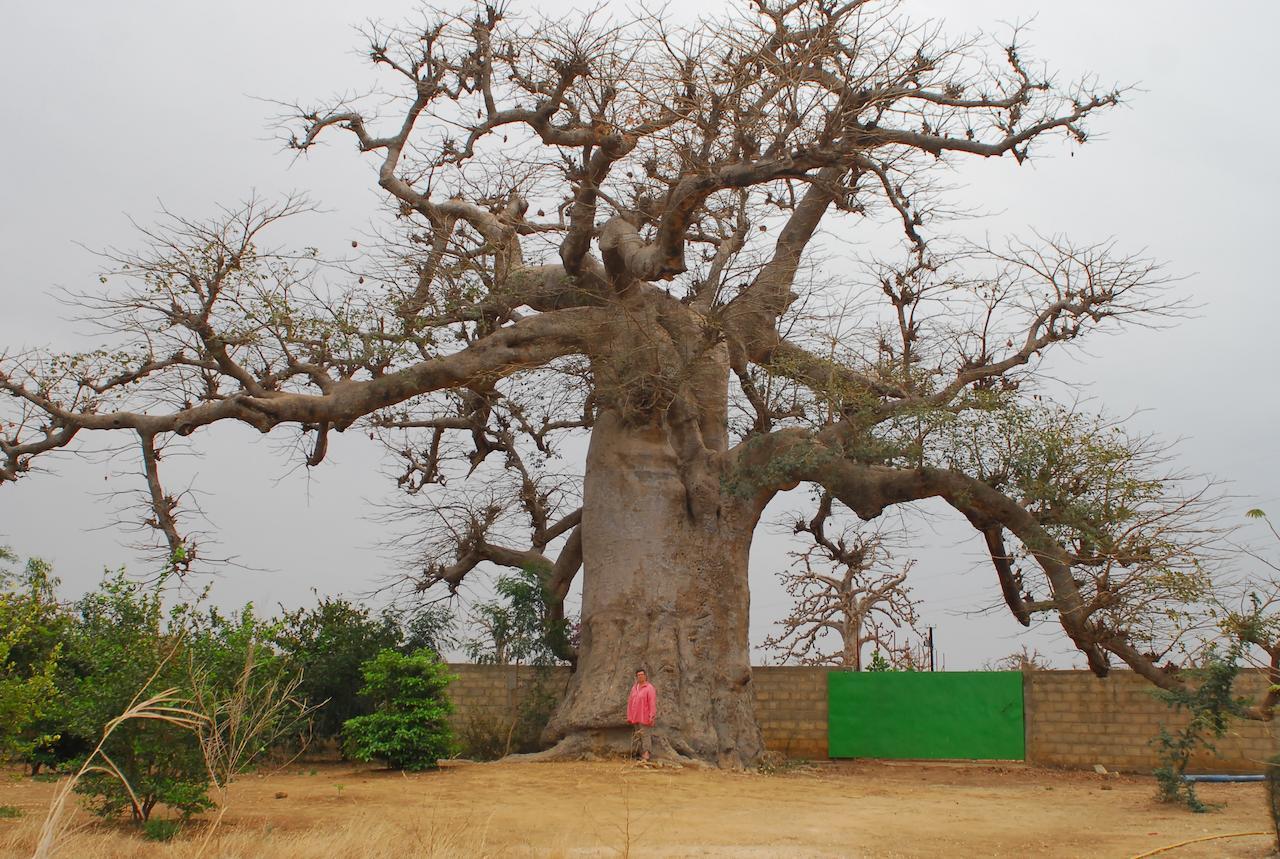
<point x="56" y="832"/>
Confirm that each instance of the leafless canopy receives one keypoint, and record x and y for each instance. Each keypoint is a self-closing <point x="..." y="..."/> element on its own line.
<point x="846" y="587"/>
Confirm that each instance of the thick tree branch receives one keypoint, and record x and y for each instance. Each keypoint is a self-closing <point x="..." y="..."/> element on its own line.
<point x="528" y="343"/>
<point x="789" y="457"/>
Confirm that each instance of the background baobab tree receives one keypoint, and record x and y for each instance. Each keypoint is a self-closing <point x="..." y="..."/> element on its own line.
<point x="1247" y="615"/>
<point x="847" y="589"/>
<point x="608" y="228"/>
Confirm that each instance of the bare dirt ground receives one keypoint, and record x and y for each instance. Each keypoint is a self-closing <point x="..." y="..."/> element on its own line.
<point x="620" y="809"/>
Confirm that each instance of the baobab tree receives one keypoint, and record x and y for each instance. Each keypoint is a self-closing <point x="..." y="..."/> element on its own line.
<point x="1248" y="615"/>
<point x="611" y="228"/>
<point x="846" y="588"/>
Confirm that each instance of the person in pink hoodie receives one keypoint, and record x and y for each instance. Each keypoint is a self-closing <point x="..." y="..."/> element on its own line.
<point x="642" y="710"/>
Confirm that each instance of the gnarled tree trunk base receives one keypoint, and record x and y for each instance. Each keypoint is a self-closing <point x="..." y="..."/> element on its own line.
<point x="585" y="747"/>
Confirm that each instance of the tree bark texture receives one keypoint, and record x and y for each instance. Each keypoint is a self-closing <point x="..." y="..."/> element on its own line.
<point x="664" y="589"/>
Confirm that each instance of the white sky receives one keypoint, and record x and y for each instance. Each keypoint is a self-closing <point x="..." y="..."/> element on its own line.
<point x="112" y="108"/>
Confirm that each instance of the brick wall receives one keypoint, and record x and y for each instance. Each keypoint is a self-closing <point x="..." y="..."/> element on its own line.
<point x="493" y="693"/>
<point x="1073" y="719"/>
<point x="791" y="705"/>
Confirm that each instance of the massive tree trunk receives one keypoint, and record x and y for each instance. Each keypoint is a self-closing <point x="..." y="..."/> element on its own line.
<point x="664" y="589"/>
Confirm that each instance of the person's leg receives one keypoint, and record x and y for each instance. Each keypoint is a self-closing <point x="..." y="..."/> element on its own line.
<point x="643" y="731"/>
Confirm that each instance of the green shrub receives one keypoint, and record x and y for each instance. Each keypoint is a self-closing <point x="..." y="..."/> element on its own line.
<point x="10" y="812"/>
<point x="244" y="688"/>
<point x="31" y="625"/>
<point x="1210" y="706"/>
<point x="123" y="642"/>
<point x="408" y="728"/>
<point x="515" y="628"/>
<point x="161" y="830"/>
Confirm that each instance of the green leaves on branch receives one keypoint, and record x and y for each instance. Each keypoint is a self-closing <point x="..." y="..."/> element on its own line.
<point x="330" y="641"/>
<point x="1210" y="706"/>
<point x="515" y="626"/>
<point x="228" y="694"/>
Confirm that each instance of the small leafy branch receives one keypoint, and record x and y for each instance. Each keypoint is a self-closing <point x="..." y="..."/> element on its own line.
<point x="1211" y="706"/>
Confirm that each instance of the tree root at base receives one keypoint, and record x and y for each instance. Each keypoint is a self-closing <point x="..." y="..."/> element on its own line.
<point x="577" y="747"/>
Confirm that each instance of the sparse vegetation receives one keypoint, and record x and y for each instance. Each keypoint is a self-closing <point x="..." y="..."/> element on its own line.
<point x="511" y="809"/>
<point x="1210" y="705"/>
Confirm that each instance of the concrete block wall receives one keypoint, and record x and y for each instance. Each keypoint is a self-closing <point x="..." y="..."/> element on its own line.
<point x="1076" y="720"/>
<point x="1073" y="719"/>
<point x="791" y="706"/>
<point x="493" y="692"/>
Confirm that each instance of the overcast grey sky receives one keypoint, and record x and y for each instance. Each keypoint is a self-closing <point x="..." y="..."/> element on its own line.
<point x="113" y="108"/>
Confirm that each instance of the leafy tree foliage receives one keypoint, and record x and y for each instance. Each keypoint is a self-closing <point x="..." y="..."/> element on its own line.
<point x="31" y="623"/>
<point x="1140" y="539"/>
<point x="516" y="627"/>
<point x="122" y="643"/>
<point x="328" y="643"/>
<point x="119" y="643"/>
<point x="432" y="626"/>
<point x="409" y="726"/>
<point x="69" y="671"/>
<point x="243" y="687"/>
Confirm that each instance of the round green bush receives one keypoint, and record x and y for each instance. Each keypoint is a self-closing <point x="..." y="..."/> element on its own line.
<point x="409" y="727"/>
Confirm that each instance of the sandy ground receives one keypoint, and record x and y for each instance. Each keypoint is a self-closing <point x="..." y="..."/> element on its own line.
<point x="620" y="809"/>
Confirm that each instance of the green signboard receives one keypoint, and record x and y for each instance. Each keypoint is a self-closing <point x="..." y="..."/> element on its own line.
<point x="974" y="715"/>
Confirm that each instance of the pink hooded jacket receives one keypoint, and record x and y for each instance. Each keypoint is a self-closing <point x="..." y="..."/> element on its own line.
<point x="642" y="704"/>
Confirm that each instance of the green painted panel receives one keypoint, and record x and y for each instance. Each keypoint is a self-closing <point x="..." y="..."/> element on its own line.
<point x="974" y="715"/>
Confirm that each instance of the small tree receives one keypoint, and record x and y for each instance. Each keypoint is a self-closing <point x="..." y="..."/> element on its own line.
<point x="1244" y="632"/>
<point x="1210" y="707"/>
<point x="1252" y="616"/>
<point x="409" y="727"/>
<point x="863" y="601"/>
<point x="516" y="627"/>
<point x="121" y="645"/>
<point x="31" y="623"/>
